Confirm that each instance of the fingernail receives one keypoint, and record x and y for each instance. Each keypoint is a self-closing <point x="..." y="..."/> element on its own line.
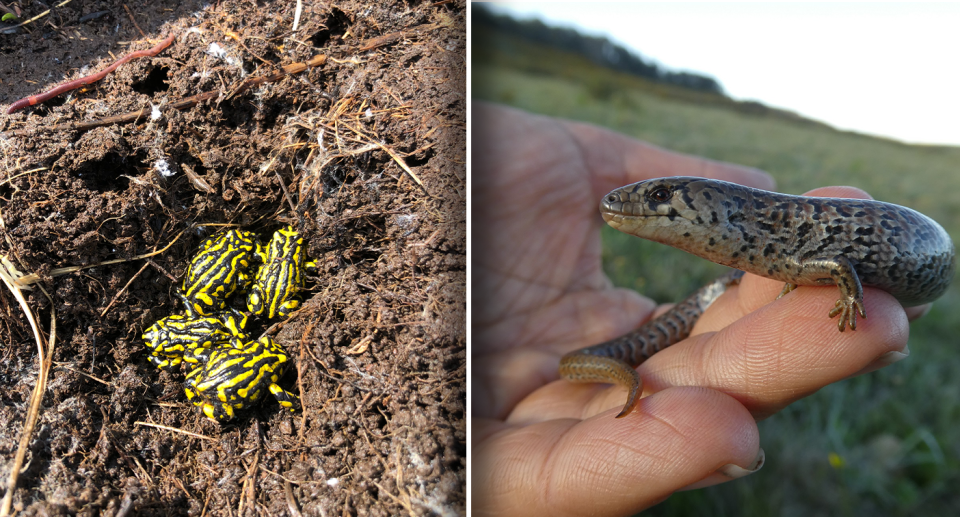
<point x="892" y="357"/>
<point x="736" y="471"/>
<point x="918" y="312"/>
<point x="884" y="360"/>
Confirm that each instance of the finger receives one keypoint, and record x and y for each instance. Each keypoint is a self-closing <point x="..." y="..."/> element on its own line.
<point x="676" y="438"/>
<point x="750" y="360"/>
<point x="563" y="399"/>
<point x="840" y="191"/>
<point x="615" y="160"/>
<point x="767" y="353"/>
<point x="918" y="312"/>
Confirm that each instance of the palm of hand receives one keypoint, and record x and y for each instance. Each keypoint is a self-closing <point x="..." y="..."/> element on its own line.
<point x="537" y="259"/>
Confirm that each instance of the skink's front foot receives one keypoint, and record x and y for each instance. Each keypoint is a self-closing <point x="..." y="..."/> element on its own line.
<point x="839" y="271"/>
<point x="848" y="310"/>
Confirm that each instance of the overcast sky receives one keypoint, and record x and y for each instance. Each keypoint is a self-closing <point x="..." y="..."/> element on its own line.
<point x="885" y="69"/>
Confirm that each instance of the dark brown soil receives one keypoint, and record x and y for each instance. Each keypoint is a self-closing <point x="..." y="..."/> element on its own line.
<point x="379" y="344"/>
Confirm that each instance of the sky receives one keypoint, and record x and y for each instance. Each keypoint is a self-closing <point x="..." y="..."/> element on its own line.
<point x="886" y="69"/>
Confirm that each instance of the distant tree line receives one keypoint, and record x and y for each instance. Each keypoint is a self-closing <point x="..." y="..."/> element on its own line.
<point x="598" y="50"/>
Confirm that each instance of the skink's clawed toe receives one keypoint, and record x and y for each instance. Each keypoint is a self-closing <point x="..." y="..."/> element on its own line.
<point x="848" y="310"/>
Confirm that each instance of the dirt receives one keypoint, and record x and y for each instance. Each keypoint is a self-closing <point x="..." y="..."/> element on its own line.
<point x="379" y="343"/>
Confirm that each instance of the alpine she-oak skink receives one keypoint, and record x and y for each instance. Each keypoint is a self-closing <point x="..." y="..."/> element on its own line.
<point x="799" y="240"/>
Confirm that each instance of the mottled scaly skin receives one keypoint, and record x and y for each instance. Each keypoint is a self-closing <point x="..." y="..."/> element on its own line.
<point x="799" y="240"/>
<point x="614" y="361"/>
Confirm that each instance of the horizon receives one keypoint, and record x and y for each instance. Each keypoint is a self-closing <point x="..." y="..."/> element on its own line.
<point x="846" y="77"/>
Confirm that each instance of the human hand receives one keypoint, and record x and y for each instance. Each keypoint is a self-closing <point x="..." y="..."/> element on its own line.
<point x="542" y="447"/>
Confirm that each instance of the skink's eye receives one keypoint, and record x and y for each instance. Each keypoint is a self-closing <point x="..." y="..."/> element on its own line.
<point x="659" y="194"/>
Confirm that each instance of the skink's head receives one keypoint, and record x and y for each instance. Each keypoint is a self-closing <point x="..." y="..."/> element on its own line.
<point x="663" y="209"/>
<point x="658" y="198"/>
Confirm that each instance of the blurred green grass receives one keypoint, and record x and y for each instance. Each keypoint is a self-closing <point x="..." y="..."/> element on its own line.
<point x="886" y="443"/>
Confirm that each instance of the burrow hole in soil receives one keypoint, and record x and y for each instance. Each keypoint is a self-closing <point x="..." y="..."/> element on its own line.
<point x="155" y="81"/>
<point x="337" y="23"/>
<point x="109" y="174"/>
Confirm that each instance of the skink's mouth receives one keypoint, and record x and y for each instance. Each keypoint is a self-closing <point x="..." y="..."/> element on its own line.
<point x="621" y="221"/>
<point x="609" y="215"/>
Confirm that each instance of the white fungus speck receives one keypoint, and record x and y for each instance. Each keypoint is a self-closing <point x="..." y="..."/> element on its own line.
<point x="405" y="221"/>
<point x="216" y="51"/>
<point x="163" y="168"/>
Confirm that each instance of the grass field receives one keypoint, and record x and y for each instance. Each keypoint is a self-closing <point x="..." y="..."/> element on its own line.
<point x="886" y="443"/>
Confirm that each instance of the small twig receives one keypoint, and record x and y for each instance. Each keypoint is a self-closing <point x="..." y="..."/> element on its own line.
<point x="249" y="484"/>
<point x="285" y="193"/>
<point x="174" y="429"/>
<point x="34" y="278"/>
<point x="134" y="20"/>
<point x="300" y="367"/>
<point x="132" y="463"/>
<point x="197" y="181"/>
<point x="180" y="484"/>
<point x="8" y="30"/>
<point x="93" y="16"/>
<point x="162" y="270"/>
<point x="22" y="174"/>
<point x="127" y="503"/>
<point x="98" y="379"/>
<point x="394" y="37"/>
<point x="362" y="345"/>
<point x="124" y="289"/>
<point x="132" y="116"/>
<point x="239" y="40"/>
<point x="294" y="68"/>
<point x="403" y="165"/>
<point x="8" y="10"/>
<point x="205" y="502"/>
<point x="338" y="380"/>
<point x="286" y="479"/>
<point x="291" y="500"/>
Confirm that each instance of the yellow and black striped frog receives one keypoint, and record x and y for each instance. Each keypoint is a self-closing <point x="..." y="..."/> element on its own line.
<point x="175" y="338"/>
<point x="222" y="266"/>
<point x="281" y="277"/>
<point x="235" y="375"/>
